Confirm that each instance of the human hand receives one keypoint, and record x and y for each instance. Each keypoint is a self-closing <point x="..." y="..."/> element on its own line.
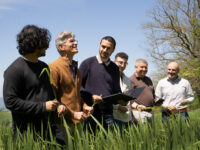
<point x="122" y="109"/>
<point x="171" y="107"/>
<point x="122" y="102"/>
<point x="96" y="99"/>
<point x="61" y="109"/>
<point x="141" y="107"/>
<point x="158" y="102"/>
<point x="88" y="110"/>
<point x="184" y="102"/>
<point x="134" y="105"/>
<point x="80" y="116"/>
<point x="51" y="105"/>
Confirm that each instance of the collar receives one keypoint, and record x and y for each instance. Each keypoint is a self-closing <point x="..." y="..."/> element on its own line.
<point x="174" y="81"/>
<point x="122" y="75"/>
<point x="138" y="78"/>
<point x="28" y="60"/>
<point x="74" y="63"/>
<point x="100" y="62"/>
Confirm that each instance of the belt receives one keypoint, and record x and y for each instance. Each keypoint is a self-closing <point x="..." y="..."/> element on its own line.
<point x="179" y="110"/>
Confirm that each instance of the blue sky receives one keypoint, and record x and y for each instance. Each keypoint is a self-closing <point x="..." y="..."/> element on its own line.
<point x="89" y="20"/>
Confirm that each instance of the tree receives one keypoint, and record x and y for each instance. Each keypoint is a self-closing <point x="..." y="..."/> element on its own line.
<point x="174" y="35"/>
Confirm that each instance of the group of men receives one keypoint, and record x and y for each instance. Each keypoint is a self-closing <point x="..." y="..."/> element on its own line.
<point x="39" y="95"/>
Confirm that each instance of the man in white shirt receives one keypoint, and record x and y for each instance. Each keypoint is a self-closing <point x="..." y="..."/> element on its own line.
<point x="176" y="92"/>
<point x="122" y="114"/>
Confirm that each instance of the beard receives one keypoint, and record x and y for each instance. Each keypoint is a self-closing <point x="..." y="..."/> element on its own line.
<point x="172" y="76"/>
<point x="42" y="53"/>
<point x="104" y="56"/>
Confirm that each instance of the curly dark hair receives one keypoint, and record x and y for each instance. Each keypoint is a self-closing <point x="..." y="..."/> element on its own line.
<point x="31" y="38"/>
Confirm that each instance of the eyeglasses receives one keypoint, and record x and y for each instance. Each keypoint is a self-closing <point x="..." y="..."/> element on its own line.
<point x="122" y="63"/>
<point x="72" y="40"/>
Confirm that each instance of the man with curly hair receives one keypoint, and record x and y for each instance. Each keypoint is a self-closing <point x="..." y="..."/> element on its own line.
<point x="27" y="91"/>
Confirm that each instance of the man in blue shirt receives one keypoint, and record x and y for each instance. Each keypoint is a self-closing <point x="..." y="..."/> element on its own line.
<point x="100" y="76"/>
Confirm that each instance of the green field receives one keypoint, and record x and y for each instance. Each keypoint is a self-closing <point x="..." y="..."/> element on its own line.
<point x="176" y="134"/>
<point x="5" y="117"/>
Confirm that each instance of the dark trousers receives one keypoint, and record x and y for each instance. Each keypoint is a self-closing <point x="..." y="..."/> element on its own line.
<point x="122" y="125"/>
<point x="166" y="114"/>
<point x="106" y="120"/>
<point x="46" y="135"/>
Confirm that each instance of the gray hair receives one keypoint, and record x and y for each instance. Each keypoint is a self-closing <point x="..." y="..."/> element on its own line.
<point x="62" y="38"/>
<point x="140" y="60"/>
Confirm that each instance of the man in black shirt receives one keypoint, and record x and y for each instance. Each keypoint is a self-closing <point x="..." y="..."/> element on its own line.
<point x="27" y="90"/>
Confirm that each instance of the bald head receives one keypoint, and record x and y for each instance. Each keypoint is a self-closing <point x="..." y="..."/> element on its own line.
<point x="172" y="70"/>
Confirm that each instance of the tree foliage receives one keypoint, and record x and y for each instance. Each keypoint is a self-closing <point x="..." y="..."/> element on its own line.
<point x="174" y="35"/>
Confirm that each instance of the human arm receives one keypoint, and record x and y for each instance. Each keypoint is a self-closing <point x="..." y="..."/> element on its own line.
<point x="87" y="109"/>
<point x="80" y="116"/>
<point x="19" y="91"/>
<point x="116" y="81"/>
<point x="158" y="91"/>
<point x="96" y="99"/>
<point x="137" y="106"/>
<point x="86" y="95"/>
<point x="189" y="95"/>
<point x="61" y="109"/>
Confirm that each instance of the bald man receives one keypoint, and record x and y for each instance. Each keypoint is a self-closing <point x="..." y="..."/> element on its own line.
<point x="176" y="92"/>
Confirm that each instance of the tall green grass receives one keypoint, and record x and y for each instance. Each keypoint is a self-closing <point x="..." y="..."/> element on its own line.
<point x="175" y="134"/>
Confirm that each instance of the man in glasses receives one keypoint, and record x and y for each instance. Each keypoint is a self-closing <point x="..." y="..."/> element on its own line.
<point x="122" y="114"/>
<point x="66" y="79"/>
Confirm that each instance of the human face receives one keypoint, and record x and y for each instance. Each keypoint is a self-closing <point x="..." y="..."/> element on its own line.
<point x="172" y="71"/>
<point x="121" y="63"/>
<point x="105" y="50"/>
<point x="70" y="47"/>
<point x="41" y="52"/>
<point x="141" y="69"/>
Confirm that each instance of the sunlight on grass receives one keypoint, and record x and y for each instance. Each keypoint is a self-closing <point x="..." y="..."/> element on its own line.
<point x="176" y="134"/>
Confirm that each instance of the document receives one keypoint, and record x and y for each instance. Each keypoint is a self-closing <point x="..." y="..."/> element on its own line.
<point x="159" y="102"/>
<point x="124" y="98"/>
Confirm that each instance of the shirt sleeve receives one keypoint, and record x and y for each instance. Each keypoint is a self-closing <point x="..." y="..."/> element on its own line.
<point x="117" y="88"/>
<point x="189" y="94"/>
<point x="55" y="79"/>
<point x="13" y="93"/>
<point x="85" y="95"/>
<point x="158" y="92"/>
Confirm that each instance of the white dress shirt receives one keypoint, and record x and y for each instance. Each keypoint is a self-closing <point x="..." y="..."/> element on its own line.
<point x="174" y="91"/>
<point x="124" y="117"/>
